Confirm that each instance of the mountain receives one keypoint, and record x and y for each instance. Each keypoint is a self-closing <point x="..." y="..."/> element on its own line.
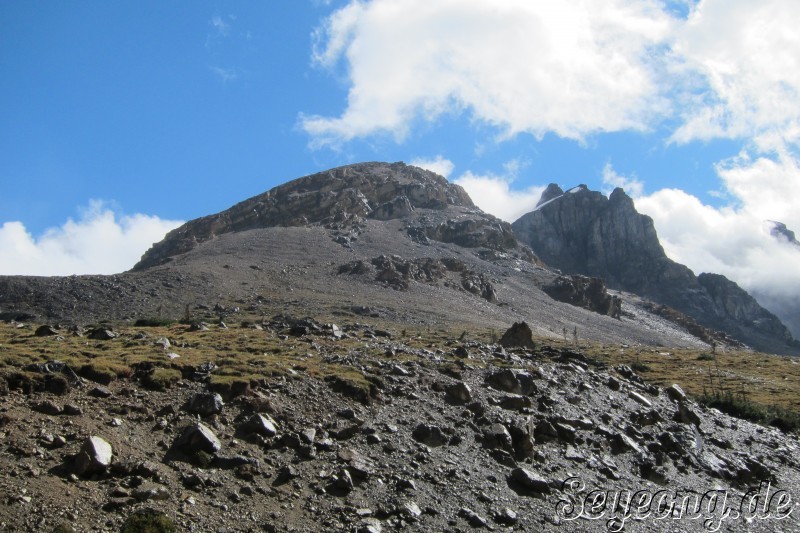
<point x="343" y="361"/>
<point x="584" y="232"/>
<point x="392" y="242"/>
<point x="781" y="232"/>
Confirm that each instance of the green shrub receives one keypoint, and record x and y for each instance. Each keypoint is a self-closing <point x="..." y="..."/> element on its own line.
<point x="148" y="521"/>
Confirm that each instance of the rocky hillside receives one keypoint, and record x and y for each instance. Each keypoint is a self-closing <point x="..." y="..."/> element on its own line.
<point x="354" y="428"/>
<point x="583" y="232"/>
<point x="341" y="196"/>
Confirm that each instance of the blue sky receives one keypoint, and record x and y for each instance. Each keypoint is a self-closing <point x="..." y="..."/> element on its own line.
<point x="122" y="119"/>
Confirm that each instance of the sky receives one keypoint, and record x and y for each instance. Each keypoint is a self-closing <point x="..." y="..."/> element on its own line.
<point x="120" y="120"/>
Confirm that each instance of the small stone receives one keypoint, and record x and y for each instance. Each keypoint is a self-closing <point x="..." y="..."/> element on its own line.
<point x="45" y="331"/>
<point x="287" y="473"/>
<point x="472" y="518"/>
<point x="506" y="517"/>
<point x="459" y="392"/>
<point x="498" y="437"/>
<point x="529" y="480"/>
<point x="198" y="437"/>
<point x="262" y="425"/>
<point x="151" y="492"/>
<point x="48" y="408"/>
<point x="343" y="481"/>
<point x="205" y="404"/>
<point x="686" y="415"/>
<point x="640" y="399"/>
<point x="101" y="334"/>
<point x="515" y="402"/>
<point x="410" y="509"/>
<point x="72" y="410"/>
<point x="505" y="380"/>
<point x="100" y="392"/>
<point x="308" y="435"/>
<point x="675" y="393"/>
<point x="430" y="435"/>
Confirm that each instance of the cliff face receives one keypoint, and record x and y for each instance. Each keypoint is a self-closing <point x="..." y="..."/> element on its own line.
<point x="583" y="232"/>
<point x="381" y="191"/>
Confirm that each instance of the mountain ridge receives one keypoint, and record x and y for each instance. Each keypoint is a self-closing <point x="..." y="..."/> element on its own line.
<point x="590" y="234"/>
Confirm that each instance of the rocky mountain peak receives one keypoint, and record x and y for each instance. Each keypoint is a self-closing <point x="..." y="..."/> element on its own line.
<point x="781" y="232"/>
<point x="586" y="233"/>
<point x="381" y="191"/>
<point x="552" y="191"/>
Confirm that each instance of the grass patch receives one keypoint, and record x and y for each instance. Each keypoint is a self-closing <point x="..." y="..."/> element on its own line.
<point x="738" y="405"/>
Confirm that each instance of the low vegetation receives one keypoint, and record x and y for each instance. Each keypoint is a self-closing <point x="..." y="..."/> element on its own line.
<point x="762" y="388"/>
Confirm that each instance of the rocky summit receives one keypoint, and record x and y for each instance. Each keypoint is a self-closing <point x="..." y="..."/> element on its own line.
<point x="365" y="350"/>
<point x="585" y="232"/>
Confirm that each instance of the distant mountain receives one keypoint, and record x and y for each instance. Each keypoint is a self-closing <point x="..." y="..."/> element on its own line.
<point x="780" y="231"/>
<point x="784" y="303"/>
<point x="583" y="232"/>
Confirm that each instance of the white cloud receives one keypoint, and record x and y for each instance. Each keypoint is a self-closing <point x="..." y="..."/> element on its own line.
<point x="632" y="186"/>
<point x="747" y="57"/>
<point x="438" y="164"/>
<point x="572" y="68"/>
<point x="98" y="243"/>
<point x="493" y="194"/>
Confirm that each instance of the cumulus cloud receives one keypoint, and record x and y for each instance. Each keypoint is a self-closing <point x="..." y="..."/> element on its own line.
<point x="438" y="164"/>
<point x="99" y="242"/>
<point x="747" y="56"/>
<point x="517" y="65"/>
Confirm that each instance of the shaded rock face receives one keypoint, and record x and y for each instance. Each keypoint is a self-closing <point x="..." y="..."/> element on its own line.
<point x="583" y="232"/>
<point x="370" y="190"/>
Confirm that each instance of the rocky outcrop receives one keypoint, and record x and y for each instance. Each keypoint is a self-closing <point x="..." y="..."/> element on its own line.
<point x="582" y="291"/>
<point x="370" y="190"/>
<point x="398" y="273"/>
<point x="583" y="232"/>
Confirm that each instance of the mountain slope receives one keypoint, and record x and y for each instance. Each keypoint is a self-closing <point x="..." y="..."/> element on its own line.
<point x="387" y="240"/>
<point x="584" y="232"/>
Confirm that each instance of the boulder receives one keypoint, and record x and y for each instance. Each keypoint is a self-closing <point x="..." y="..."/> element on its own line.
<point x="205" y="403"/>
<point x="262" y="425"/>
<point x="94" y="457"/>
<point x="198" y="437"/>
<point x="518" y="335"/>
